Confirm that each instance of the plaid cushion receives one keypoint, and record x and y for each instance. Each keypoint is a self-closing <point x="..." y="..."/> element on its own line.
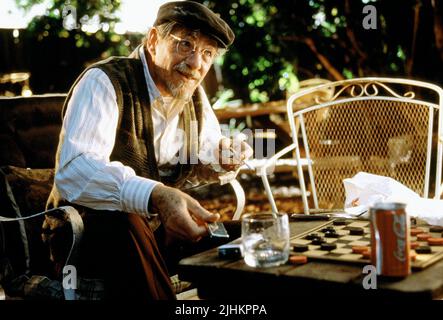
<point x="90" y="289"/>
<point x="41" y="287"/>
<point x="179" y="285"/>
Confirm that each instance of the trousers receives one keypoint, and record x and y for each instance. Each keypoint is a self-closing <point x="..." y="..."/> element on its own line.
<point x="121" y="249"/>
<point x="124" y="251"/>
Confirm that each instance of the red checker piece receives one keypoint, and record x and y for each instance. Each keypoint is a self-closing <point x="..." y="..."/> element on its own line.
<point x="423" y="236"/>
<point x="359" y="249"/>
<point x="367" y="254"/>
<point x="435" y="241"/>
<point x="298" y="259"/>
<point x="414" y="245"/>
<point x="415" y="231"/>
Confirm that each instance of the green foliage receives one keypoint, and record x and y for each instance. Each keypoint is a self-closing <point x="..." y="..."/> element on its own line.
<point x="258" y="65"/>
<point x="62" y="43"/>
<point x="278" y="42"/>
<point x="95" y="24"/>
<point x="232" y="128"/>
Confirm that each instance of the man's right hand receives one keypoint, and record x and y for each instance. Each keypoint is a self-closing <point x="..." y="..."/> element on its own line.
<point x="182" y="216"/>
<point x="233" y="153"/>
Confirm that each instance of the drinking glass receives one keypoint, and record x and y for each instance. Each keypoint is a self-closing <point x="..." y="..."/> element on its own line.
<point x="265" y="239"/>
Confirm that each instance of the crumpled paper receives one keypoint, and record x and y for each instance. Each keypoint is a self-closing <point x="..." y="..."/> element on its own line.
<point x="365" y="189"/>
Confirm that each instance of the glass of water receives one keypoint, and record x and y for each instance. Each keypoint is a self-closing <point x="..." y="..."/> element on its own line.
<point x="265" y="239"/>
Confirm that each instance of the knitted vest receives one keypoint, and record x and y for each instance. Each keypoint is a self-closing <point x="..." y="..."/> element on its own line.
<point x="134" y="143"/>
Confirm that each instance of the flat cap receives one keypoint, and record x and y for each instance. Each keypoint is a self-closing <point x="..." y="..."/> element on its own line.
<point x="194" y="15"/>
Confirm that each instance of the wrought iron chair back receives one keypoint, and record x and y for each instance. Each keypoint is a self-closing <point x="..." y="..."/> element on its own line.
<point x="383" y="126"/>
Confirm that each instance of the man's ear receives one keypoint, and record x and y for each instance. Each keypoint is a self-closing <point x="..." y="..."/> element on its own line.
<point x="151" y="43"/>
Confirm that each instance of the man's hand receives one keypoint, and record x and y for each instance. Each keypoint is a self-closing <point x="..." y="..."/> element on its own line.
<point x="233" y="153"/>
<point x="182" y="216"/>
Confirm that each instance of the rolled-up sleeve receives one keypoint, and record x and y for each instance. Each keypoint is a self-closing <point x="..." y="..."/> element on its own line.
<point x="85" y="174"/>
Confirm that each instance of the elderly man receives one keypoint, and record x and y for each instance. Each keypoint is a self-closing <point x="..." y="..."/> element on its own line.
<point x="135" y="131"/>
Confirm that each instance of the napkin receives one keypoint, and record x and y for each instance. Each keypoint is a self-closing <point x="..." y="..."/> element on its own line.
<point x="365" y="189"/>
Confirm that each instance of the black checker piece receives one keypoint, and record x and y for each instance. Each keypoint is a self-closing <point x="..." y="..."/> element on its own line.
<point x="340" y="222"/>
<point x="300" y="247"/>
<point x="312" y="236"/>
<point x="328" y="246"/>
<point x="356" y="231"/>
<point x="318" y="241"/>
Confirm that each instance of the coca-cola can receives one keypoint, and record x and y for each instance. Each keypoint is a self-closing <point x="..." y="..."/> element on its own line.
<point x="390" y="243"/>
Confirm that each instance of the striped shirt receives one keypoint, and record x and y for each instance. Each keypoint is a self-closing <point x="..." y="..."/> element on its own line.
<point x="86" y="176"/>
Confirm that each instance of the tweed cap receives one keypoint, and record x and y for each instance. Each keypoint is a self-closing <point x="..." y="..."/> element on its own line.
<point x="194" y="15"/>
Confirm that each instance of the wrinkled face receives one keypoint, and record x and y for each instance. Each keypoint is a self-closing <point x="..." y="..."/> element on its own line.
<point x="180" y="61"/>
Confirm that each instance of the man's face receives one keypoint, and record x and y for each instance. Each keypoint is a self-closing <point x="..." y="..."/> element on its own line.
<point x="181" y="61"/>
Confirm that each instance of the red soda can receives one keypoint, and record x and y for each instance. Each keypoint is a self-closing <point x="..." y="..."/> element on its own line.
<point x="390" y="243"/>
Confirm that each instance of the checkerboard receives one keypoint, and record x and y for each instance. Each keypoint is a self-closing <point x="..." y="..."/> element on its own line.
<point x="345" y="241"/>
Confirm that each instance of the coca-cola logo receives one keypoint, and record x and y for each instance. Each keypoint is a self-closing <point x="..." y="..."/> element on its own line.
<point x="399" y="226"/>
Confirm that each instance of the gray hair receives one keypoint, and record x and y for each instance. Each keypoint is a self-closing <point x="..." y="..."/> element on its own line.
<point x="165" y="29"/>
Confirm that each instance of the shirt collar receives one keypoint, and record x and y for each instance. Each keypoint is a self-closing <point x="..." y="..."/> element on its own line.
<point x="154" y="93"/>
<point x="157" y="100"/>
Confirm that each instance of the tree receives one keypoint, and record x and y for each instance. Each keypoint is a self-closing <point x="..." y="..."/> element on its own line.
<point x="278" y="42"/>
<point x="68" y="37"/>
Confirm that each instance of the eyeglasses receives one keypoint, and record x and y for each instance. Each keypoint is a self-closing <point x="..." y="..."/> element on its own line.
<point x="186" y="47"/>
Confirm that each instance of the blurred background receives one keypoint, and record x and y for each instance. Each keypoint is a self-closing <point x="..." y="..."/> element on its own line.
<point x="45" y="44"/>
<point x="280" y="47"/>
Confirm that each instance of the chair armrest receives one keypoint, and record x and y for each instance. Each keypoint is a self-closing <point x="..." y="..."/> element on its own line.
<point x="274" y="158"/>
<point x="56" y="219"/>
<point x="241" y="198"/>
<point x="231" y="178"/>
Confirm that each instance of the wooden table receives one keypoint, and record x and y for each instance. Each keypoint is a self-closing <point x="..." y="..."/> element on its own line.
<point x="216" y="278"/>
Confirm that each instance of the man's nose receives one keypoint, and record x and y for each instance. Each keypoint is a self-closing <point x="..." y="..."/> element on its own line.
<point x="194" y="60"/>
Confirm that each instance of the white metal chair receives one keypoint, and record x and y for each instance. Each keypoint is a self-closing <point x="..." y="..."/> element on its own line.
<point x="383" y="126"/>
